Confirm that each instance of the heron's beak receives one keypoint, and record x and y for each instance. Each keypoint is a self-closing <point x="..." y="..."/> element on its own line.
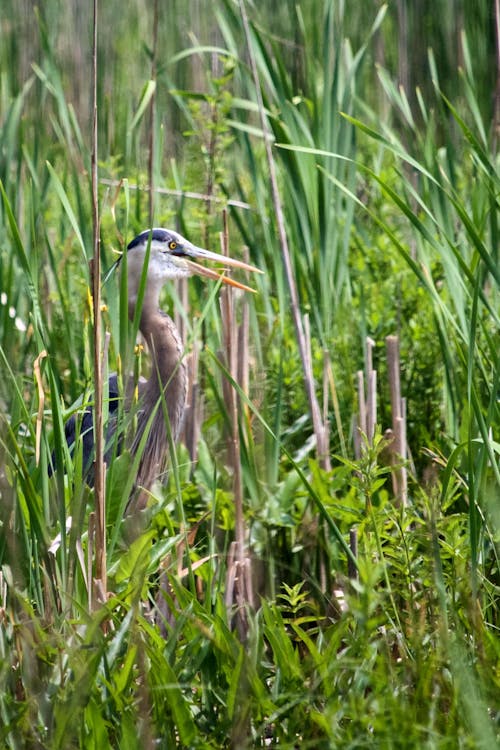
<point x="191" y="251"/>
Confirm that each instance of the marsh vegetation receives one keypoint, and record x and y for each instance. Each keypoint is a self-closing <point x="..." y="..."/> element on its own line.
<point x="330" y="525"/>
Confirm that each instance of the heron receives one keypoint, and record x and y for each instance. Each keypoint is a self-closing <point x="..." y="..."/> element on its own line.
<point x="170" y="256"/>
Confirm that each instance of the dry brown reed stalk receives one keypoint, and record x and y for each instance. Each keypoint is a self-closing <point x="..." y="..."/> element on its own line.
<point x="179" y="193"/>
<point x="99" y="466"/>
<point x="243" y="360"/>
<point x="367" y="400"/>
<point x="360" y="378"/>
<point x="371" y="390"/>
<point x="367" y="419"/>
<point x="320" y="429"/>
<point x="397" y="450"/>
<point x="239" y="574"/>
<point x="398" y="446"/>
<point x="152" y="118"/>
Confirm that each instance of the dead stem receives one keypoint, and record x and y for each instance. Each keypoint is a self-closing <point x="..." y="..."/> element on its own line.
<point x="99" y="468"/>
<point x="152" y="119"/>
<point x="398" y="446"/>
<point x="239" y="571"/>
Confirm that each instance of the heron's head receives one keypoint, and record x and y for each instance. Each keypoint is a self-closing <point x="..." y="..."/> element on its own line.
<point x="172" y="256"/>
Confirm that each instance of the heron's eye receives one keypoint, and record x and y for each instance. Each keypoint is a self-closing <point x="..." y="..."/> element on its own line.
<point x="172" y="245"/>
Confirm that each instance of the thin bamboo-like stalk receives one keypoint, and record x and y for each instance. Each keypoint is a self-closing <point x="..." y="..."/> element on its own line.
<point x="242" y="568"/>
<point x="99" y="467"/>
<point x="152" y="119"/>
<point x="401" y="450"/>
<point x="367" y="400"/>
<point x="361" y="422"/>
<point x="398" y="408"/>
<point x="189" y="194"/>
<point x="361" y="401"/>
<point x="371" y="401"/>
<point x="369" y="346"/>
<point x="392" y="344"/>
<point x="371" y="390"/>
<point x="322" y="446"/>
<point x="243" y="360"/>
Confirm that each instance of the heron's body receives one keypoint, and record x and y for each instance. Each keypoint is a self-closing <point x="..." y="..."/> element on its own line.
<point x="166" y="387"/>
<point x="162" y="397"/>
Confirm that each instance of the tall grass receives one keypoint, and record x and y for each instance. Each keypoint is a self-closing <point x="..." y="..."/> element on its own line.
<point x="391" y="211"/>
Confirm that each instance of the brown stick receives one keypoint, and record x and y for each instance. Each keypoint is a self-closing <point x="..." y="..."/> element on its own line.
<point x="398" y="408"/>
<point x="234" y="443"/>
<point x="99" y="467"/>
<point x="371" y="390"/>
<point x="152" y="123"/>
<point x="392" y="345"/>
<point x="241" y="564"/>
<point x="243" y="335"/>
<point x="371" y="401"/>
<point x="178" y="193"/>
<point x="360" y="378"/>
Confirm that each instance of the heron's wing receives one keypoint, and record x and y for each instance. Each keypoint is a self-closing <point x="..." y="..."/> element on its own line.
<point x="134" y="389"/>
<point x="114" y="393"/>
<point x="84" y="424"/>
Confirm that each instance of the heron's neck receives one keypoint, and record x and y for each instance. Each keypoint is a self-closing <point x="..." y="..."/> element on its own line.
<point x="168" y="378"/>
<point x="165" y="346"/>
<point x="157" y="328"/>
<point x="166" y="387"/>
<point x="151" y="302"/>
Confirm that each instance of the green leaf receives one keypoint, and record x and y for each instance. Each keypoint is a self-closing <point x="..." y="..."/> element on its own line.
<point x="146" y="96"/>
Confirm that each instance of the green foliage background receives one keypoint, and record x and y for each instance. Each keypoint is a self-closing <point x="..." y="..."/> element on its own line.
<point x="390" y="194"/>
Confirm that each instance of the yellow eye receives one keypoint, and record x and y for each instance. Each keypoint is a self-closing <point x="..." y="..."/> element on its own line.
<point x="172" y="245"/>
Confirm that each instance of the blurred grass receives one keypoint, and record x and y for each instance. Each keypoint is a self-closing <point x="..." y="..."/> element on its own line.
<point x="391" y="204"/>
